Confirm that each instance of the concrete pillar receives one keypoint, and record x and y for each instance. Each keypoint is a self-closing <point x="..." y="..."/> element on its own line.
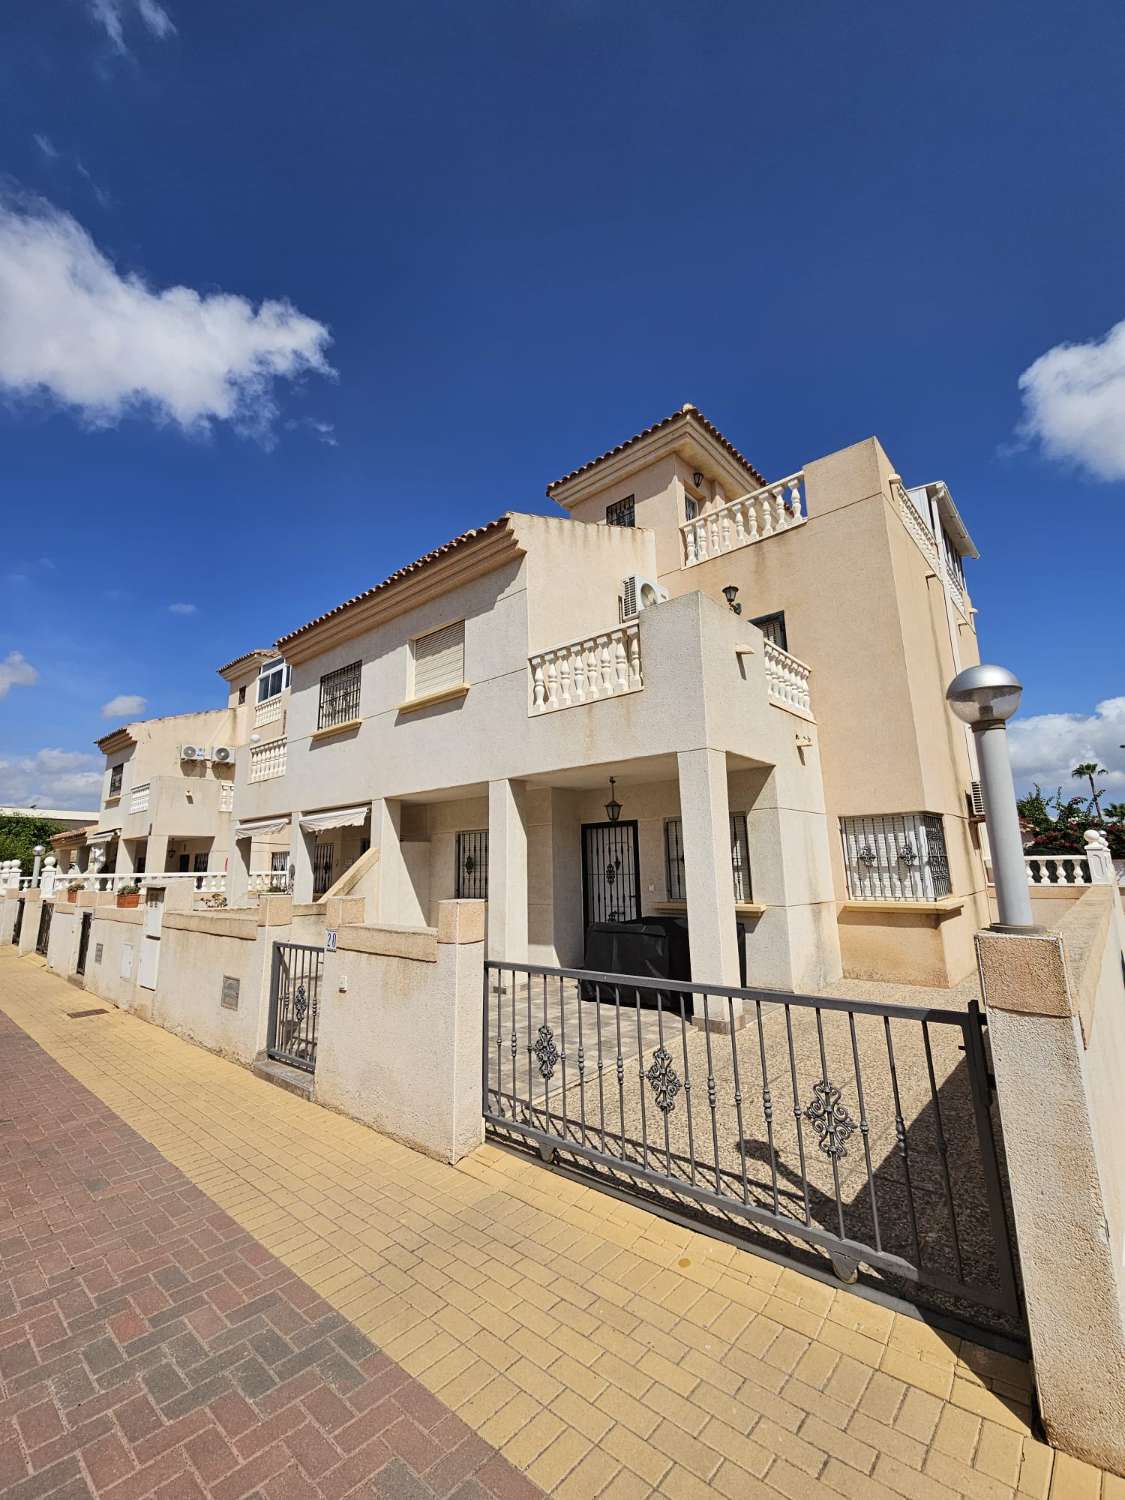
<point x="390" y="872"/>
<point x="705" y="812"/>
<point x="300" y="859"/>
<point x="238" y="873"/>
<point x="507" y="871"/>
<point x="127" y="856"/>
<point x="1056" y="1087"/>
<point x="156" y="859"/>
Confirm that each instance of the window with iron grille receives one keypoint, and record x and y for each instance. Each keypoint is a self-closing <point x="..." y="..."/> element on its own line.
<point x="322" y="868"/>
<point x="676" y="884"/>
<point x="279" y="870"/>
<point x="339" y="696"/>
<point x="439" y="660"/>
<point x="472" y="865"/>
<point x="621" y="512"/>
<point x="773" y="628"/>
<point x="199" y="863"/>
<point x="895" y="857"/>
<point x="115" y="775"/>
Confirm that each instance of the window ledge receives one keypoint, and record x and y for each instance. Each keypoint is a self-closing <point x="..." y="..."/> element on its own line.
<point x="344" y="728"/>
<point x="113" y="801"/>
<point x="948" y="906"/>
<point x="446" y="695"/>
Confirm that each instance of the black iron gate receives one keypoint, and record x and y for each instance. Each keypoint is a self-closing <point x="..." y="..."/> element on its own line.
<point x="611" y="872"/>
<point x="85" y="922"/>
<point x="295" y="1004"/>
<point x="43" y="937"/>
<point x="820" y="1128"/>
<point x="18" y="928"/>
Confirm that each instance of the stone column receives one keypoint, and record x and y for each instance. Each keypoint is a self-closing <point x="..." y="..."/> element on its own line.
<point x="238" y="873"/>
<point x="708" y="877"/>
<point x="507" y="871"/>
<point x="390" y="871"/>
<point x="156" y="855"/>
<point x="127" y="857"/>
<point x="1058" y="1090"/>
<point x="1102" y="871"/>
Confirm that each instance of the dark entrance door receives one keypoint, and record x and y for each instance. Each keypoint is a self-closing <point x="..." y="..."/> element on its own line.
<point x="83" y="942"/>
<point x="611" y="872"/>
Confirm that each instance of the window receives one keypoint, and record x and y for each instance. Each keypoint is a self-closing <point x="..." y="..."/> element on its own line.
<point x="621" y="512"/>
<point x="339" y="696"/>
<point x="773" y="628"/>
<point x="199" y="863"/>
<point x="273" y="677"/>
<point x="439" y="660"/>
<point x="115" y="775"/>
<point x="279" y="870"/>
<point x="140" y="858"/>
<point x="953" y="559"/>
<point x="739" y="858"/>
<point x="691" y="508"/>
<point x="322" y="869"/>
<point x="895" y="857"/>
<point x="472" y="865"/>
<point x="242" y="694"/>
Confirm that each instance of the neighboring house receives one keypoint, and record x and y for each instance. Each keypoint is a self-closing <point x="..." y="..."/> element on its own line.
<point x="788" y="775"/>
<point x="65" y="817"/>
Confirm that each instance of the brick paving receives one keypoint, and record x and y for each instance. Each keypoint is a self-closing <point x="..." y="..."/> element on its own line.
<point x="600" y="1350"/>
<point x="150" y="1346"/>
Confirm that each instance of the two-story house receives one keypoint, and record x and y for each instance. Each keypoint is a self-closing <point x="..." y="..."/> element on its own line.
<point x="695" y="692"/>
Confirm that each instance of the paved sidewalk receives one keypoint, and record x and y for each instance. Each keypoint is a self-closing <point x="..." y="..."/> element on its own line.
<point x="518" y="1321"/>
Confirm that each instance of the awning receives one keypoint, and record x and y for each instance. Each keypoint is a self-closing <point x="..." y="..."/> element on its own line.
<point x="255" y="826"/>
<point x="103" y="837"/>
<point x="343" y="817"/>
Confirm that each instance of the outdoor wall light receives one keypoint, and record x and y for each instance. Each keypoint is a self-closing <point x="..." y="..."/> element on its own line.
<point x="613" y="807"/>
<point x="730" y="594"/>
<point x="697" y="479"/>
<point x="984" y="695"/>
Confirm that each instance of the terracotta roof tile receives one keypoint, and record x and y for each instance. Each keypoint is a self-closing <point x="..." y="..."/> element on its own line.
<point x="687" y="413"/>
<point x="246" y="655"/>
<point x="403" y="572"/>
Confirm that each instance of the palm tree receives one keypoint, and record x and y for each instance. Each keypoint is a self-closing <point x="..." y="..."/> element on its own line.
<point x="1115" y="812"/>
<point x="1090" y="769"/>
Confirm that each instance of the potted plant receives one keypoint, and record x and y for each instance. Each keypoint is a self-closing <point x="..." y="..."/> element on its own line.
<point x="129" y="895"/>
<point x="73" y="888"/>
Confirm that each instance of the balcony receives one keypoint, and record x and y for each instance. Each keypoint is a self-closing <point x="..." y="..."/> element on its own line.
<point x="929" y="547"/>
<point x="752" y="518"/>
<point x="606" y="665"/>
<point x="269" y="760"/>
<point x="787" y="679"/>
<point x="139" y="797"/>
<point x="268" y="712"/>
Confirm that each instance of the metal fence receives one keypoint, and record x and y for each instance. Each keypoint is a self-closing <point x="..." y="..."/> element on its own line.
<point x="295" y="1004"/>
<point x="835" y="1128"/>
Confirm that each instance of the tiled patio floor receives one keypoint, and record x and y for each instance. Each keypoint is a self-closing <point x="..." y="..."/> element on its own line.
<point x="578" y="1339"/>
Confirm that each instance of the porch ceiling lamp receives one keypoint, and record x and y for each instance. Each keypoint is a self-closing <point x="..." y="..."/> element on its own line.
<point x="985" y="697"/>
<point x="730" y="594"/>
<point x="613" y="807"/>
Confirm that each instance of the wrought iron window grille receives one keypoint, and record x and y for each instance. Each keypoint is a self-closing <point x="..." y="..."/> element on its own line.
<point x="339" y="696"/>
<point x="895" y="857"/>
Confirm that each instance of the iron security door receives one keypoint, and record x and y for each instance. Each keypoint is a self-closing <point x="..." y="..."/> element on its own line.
<point x="611" y="872"/>
<point x="86" y="920"/>
<point x="295" y="1004"/>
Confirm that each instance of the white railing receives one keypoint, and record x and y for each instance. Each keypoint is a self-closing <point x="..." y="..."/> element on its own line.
<point x="1052" y="869"/>
<point x="268" y="712"/>
<point x="60" y="881"/>
<point x="606" y="665"/>
<point x="928" y="545"/>
<point x="269" y="760"/>
<point x="787" y="679"/>
<point x="139" y="797"/>
<point x="226" y="796"/>
<point x="267" y="881"/>
<point x="751" y="518"/>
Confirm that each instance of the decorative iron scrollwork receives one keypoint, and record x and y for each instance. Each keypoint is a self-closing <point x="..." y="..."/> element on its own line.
<point x="546" y="1052"/>
<point x="830" y="1119"/>
<point x="662" y="1076"/>
<point x="300" y="1003"/>
<point x="867" y="856"/>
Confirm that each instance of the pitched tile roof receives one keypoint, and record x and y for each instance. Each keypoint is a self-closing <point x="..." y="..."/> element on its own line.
<point x="403" y="572"/>
<point x="687" y="413"/>
<point x="246" y="656"/>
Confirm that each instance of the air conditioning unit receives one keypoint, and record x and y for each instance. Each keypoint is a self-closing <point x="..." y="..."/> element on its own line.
<point x="976" y="801"/>
<point x="222" y="755"/>
<point x="193" y="752"/>
<point x="639" y="593"/>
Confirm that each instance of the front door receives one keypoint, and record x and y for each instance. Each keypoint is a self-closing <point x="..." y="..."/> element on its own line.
<point x="611" y="872"/>
<point x="322" y="869"/>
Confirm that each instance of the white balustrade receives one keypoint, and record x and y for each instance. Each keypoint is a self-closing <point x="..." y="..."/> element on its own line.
<point x="1052" y="869"/>
<point x="226" y="796"/>
<point x="787" y="679"/>
<point x="751" y="518"/>
<point x="268" y="760"/>
<point x="606" y="665"/>
<point x="927" y="543"/>
<point x="139" y="797"/>
<point x="265" y="882"/>
<point x="268" y="712"/>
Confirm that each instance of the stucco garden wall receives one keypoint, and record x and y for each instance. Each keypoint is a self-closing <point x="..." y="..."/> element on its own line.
<point x="117" y="932"/>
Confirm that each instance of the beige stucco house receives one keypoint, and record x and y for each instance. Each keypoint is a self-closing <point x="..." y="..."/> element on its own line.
<point x="758" y="667"/>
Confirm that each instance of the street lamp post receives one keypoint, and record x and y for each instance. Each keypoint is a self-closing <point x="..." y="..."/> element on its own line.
<point x="985" y="697"/>
<point x="38" y="851"/>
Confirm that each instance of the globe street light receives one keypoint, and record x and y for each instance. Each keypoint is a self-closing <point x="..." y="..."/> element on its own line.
<point x="985" y="697"/>
<point x="38" y="851"/>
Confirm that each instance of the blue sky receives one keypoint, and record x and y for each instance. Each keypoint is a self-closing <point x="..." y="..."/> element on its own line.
<point x="505" y="236"/>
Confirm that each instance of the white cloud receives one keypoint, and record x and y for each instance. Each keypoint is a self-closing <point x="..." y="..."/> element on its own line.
<point x="16" y="671"/>
<point x="181" y="609"/>
<point x="110" y="16"/>
<point x="52" y="778"/>
<point x="46" y="145"/>
<point x="1074" y="403"/>
<point x="1047" y="747"/>
<point x="124" y="706"/>
<point x="107" y="345"/>
<point x="325" y="431"/>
